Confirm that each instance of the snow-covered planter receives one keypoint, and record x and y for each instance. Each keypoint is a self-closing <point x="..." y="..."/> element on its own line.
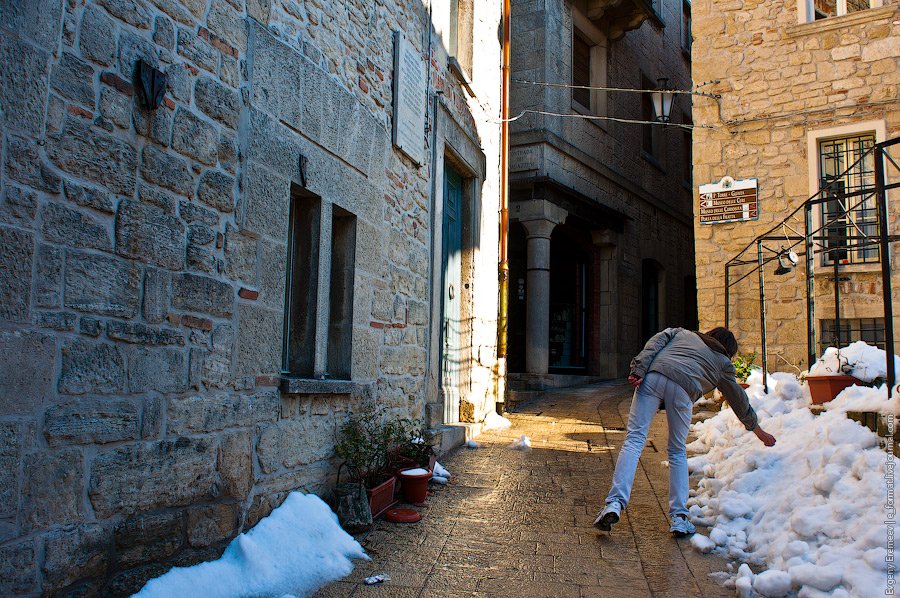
<point x="856" y="364"/>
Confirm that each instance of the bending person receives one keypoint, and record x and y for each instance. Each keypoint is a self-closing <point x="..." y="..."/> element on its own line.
<point x="675" y="368"/>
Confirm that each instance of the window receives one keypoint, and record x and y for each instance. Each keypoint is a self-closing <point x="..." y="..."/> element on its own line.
<point x="822" y="9"/>
<point x="340" y="313"/>
<point x="657" y="6"/>
<point x="651" y="135"/>
<point x="306" y="353"/>
<point x="299" y="350"/>
<point x="850" y="220"/>
<point x="588" y="65"/>
<point x="870" y="330"/>
<point x="581" y="70"/>
<point x="686" y="37"/>
<point x="687" y="157"/>
<point x="460" y="34"/>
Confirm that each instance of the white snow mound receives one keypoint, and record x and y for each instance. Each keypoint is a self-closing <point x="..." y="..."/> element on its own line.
<point x="856" y="359"/>
<point x="493" y="421"/>
<point x="808" y="512"/>
<point x="522" y="443"/>
<point x="296" y="550"/>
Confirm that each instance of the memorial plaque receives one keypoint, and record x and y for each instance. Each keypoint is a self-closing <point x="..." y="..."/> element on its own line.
<point x="729" y="201"/>
<point x="408" y="130"/>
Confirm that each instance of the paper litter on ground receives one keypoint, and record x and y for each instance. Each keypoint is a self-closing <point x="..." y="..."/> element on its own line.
<point x="295" y="551"/>
<point x="808" y="514"/>
<point x="493" y="421"/>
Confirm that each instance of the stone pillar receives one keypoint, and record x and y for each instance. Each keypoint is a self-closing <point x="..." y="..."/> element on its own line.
<point x="607" y="322"/>
<point x="539" y="218"/>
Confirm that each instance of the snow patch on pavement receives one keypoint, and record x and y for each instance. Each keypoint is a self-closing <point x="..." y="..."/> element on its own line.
<point x="296" y="550"/>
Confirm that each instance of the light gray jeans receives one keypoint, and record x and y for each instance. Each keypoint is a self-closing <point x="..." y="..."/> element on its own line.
<point x="644" y="405"/>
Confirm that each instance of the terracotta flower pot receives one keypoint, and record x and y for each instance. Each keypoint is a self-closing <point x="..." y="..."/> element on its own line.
<point x="381" y="497"/>
<point x="415" y="484"/>
<point x="825" y="388"/>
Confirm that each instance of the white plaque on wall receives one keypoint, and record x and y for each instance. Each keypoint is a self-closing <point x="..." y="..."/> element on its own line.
<point x="408" y="130"/>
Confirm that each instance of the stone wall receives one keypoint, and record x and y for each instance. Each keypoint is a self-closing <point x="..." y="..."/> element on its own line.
<point x="143" y="262"/>
<point x="785" y="84"/>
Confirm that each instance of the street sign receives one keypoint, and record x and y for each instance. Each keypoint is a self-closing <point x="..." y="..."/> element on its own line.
<point x="729" y="201"/>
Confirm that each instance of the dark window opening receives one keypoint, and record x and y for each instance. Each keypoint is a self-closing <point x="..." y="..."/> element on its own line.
<point x="299" y="349"/>
<point x="340" y="314"/>
<point x="581" y="69"/>
<point x="651" y="300"/>
<point x="686" y="37"/>
<point x="870" y="330"/>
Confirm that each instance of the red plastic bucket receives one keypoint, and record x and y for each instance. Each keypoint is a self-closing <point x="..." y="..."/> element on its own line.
<point x="415" y="484"/>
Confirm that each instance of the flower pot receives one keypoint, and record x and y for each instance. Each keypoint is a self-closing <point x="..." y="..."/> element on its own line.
<point x="825" y="388"/>
<point x="415" y="484"/>
<point x="381" y="497"/>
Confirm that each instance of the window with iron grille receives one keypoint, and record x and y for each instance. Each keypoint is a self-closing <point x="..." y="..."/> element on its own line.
<point x="870" y="330"/>
<point x="850" y="215"/>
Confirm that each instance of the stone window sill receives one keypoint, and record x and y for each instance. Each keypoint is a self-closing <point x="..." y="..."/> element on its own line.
<point x="597" y="122"/>
<point x="309" y="386"/>
<point x="868" y="267"/>
<point x="841" y="22"/>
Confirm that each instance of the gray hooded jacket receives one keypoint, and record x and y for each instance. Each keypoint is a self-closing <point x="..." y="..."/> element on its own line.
<point x="683" y="357"/>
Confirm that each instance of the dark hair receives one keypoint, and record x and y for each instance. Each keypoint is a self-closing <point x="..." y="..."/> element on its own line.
<point x="725" y="338"/>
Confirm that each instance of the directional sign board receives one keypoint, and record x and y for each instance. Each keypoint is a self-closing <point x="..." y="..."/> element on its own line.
<point x="729" y="201"/>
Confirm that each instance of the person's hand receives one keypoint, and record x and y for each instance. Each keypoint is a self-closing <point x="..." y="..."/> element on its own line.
<point x="766" y="438"/>
<point x="635" y="381"/>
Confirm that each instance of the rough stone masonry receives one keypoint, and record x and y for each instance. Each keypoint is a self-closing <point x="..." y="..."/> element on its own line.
<point x="143" y="266"/>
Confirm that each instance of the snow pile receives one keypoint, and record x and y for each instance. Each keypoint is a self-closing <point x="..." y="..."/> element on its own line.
<point x="809" y="511"/>
<point x="864" y="398"/>
<point x="296" y="550"/>
<point x="522" y="443"/>
<point x="441" y="474"/>
<point x="493" y="421"/>
<point x="857" y="359"/>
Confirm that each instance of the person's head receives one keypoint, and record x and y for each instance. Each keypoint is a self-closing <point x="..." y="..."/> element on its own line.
<point x="725" y="338"/>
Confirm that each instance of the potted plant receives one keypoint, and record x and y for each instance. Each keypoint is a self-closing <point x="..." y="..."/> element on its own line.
<point x="743" y="367"/>
<point x="365" y="442"/>
<point x="825" y="383"/>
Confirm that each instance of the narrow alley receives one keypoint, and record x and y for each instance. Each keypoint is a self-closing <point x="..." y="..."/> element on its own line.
<point x="518" y="523"/>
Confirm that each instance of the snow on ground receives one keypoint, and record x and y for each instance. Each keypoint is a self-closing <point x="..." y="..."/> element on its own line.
<point x="522" y="443"/>
<point x="294" y="551"/>
<point x="808" y="514"/>
<point x="493" y="421"/>
<point x="856" y="359"/>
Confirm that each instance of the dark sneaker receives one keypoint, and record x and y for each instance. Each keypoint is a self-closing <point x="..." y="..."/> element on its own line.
<point x="608" y="516"/>
<point x="681" y="526"/>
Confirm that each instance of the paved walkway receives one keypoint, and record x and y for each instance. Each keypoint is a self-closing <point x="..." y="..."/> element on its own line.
<point x="520" y="523"/>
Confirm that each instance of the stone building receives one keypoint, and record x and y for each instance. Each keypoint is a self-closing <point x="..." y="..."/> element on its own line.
<point x="805" y="90"/>
<point x="193" y="296"/>
<point x="601" y="248"/>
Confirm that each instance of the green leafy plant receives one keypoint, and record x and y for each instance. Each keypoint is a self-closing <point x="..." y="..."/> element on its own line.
<point x="744" y="366"/>
<point x="365" y="444"/>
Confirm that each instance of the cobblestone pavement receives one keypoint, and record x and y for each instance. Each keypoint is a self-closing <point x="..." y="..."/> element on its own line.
<point x="519" y="523"/>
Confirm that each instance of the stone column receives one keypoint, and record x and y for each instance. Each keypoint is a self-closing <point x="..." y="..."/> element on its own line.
<point x="539" y="218"/>
<point x="608" y="312"/>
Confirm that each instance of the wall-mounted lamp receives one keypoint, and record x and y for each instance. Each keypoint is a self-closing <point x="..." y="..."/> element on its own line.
<point x="150" y="84"/>
<point x="787" y="261"/>
<point x="662" y="100"/>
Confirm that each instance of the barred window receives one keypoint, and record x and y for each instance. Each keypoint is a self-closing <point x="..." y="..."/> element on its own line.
<point x="870" y="330"/>
<point x="850" y="215"/>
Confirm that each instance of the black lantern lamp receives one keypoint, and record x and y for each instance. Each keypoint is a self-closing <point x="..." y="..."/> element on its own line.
<point x="662" y="100"/>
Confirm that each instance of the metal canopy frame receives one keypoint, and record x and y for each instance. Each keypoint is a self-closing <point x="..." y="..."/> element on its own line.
<point x="817" y="241"/>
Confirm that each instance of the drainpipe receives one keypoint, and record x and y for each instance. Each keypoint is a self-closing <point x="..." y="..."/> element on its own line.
<point x="503" y="274"/>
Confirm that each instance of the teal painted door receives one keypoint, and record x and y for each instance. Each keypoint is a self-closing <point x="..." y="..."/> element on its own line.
<point x="452" y="277"/>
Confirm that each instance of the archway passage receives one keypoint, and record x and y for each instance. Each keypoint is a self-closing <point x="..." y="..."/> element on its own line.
<point x="568" y="308"/>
